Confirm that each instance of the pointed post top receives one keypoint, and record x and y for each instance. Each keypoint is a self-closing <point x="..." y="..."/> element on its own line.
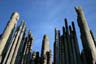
<point x="66" y="24"/>
<point x="30" y="34"/>
<point x="45" y="37"/>
<point x="70" y="28"/>
<point x="15" y="15"/>
<point x="22" y="23"/>
<point x="63" y="30"/>
<point x="73" y="25"/>
<point x="56" y="29"/>
<point x="78" y="8"/>
<point x="79" y="11"/>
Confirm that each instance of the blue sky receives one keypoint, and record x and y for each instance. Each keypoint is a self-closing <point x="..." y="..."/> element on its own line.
<point x="42" y="16"/>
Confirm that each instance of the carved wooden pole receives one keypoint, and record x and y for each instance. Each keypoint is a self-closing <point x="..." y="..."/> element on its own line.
<point x="56" y="47"/>
<point x="14" y="43"/>
<point x="85" y="33"/>
<point x="68" y="42"/>
<point x="45" y="49"/>
<point x="10" y="26"/>
<point x="18" y="44"/>
<point x="77" y="51"/>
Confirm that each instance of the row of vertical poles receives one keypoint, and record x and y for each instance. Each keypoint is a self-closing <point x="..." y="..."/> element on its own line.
<point x="7" y="33"/>
<point x="72" y="54"/>
<point x="14" y="46"/>
<point x="26" y="58"/>
<point x="18" y="45"/>
<point x="67" y="45"/>
<point x="66" y="49"/>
